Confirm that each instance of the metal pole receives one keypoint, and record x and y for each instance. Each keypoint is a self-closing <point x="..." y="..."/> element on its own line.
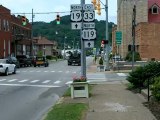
<point x="107" y="45"/>
<point x="83" y="53"/>
<point x="64" y="54"/>
<point x="32" y="54"/>
<point x="133" y="35"/>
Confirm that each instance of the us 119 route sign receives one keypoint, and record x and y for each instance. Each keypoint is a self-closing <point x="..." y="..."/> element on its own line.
<point x="89" y="34"/>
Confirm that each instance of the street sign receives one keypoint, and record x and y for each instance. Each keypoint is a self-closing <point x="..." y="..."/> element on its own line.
<point x="76" y="16"/>
<point x="75" y="7"/>
<point x="118" y="37"/>
<point x="89" y="34"/>
<point x="76" y="25"/>
<point x="89" y="16"/>
<point x="88" y="25"/>
<point x="88" y="7"/>
<point x="89" y="44"/>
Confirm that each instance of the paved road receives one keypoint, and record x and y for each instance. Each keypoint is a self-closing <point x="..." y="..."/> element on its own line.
<point x="28" y="94"/>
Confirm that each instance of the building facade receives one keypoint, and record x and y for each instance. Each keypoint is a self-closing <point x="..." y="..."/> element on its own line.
<point x="124" y="21"/>
<point x="14" y="37"/>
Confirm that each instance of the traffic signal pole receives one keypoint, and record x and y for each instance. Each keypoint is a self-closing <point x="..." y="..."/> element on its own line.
<point x="107" y="38"/>
<point x="83" y="53"/>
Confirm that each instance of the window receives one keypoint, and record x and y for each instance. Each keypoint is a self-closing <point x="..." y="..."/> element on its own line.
<point x="7" y="26"/>
<point x="155" y="9"/>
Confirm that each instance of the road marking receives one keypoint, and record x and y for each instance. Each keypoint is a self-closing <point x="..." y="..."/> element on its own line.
<point x="38" y="71"/>
<point x="45" y="71"/>
<point x="59" y="71"/>
<point x="46" y="81"/>
<point x="2" y="79"/>
<point x="73" y="72"/>
<point x="121" y="74"/>
<point x="31" y="71"/>
<point x="34" y="81"/>
<point x="69" y="82"/>
<point x="27" y="85"/>
<point x="52" y="71"/>
<point x="57" y="82"/>
<point x="12" y="80"/>
<point x="67" y="71"/>
<point x="23" y="80"/>
<point x="24" y="71"/>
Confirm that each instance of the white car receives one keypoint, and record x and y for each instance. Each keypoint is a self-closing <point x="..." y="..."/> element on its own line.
<point x="6" y="68"/>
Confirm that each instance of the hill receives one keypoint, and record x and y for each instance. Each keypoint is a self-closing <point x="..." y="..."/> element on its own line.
<point x="55" y="32"/>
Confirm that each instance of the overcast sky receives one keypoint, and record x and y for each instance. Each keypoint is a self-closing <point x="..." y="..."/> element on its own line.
<point x="43" y="6"/>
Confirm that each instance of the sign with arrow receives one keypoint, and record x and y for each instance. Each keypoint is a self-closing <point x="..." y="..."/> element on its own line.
<point x="89" y="44"/>
<point x="76" y="25"/>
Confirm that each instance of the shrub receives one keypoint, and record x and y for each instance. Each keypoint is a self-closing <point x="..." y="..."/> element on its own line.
<point x="156" y="89"/>
<point x="49" y="57"/>
<point x="101" y="61"/>
<point x="136" y="56"/>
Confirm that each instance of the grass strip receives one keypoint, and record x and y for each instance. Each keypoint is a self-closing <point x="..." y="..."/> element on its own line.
<point x="67" y="111"/>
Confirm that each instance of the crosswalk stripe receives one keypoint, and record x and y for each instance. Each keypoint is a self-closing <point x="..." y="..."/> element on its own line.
<point x="38" y="71"/>
<point x="59" y="71"/>
<point x="52" y="71"/>
<point x="24" y="71"/>
<point x="121" y="74"/>
<point x="57" y="82"/>
<point x="31" y="71"/>
<point x="67" y="71"/>
<point x="34" y="81"/>
<point x="73" y="72"/>
<point x="23" y="80"/>
<point x="46" y="81"/>
<point x="69" y="82"/>
<point x="45" y="71"/>
<point x="2" y="79"/>
<point x="12" y="80"/>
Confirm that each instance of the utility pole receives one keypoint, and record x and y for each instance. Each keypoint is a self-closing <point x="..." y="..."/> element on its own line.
<point x="107" y="38"/>
<point x="133" y="35"/>
<point x="83" y="53"/>
<point x="32" y="54"/>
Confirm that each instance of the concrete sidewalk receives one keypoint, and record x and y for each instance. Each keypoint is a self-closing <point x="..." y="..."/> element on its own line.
<point x="112" y="101"/>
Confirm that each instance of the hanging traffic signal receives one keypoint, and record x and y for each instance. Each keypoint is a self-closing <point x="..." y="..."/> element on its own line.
<point x="98" y="8"/>
<point x="24" y="20"/>
<point x="58" y="19"/>
<point x="94" y="3"/>
<point x="103" y="42"/>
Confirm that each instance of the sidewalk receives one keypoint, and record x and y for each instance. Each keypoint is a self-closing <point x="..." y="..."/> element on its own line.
<point x="113" y="102"/>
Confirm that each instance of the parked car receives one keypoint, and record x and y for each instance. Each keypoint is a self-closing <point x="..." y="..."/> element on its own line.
<point x="13" y="60"/>
<point x="41" y="61"/>
<point x="7" y="68"/>
<point x="24" y="60"/>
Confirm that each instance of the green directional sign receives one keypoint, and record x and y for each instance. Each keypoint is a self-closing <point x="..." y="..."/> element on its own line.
<point x="118" y="37"/>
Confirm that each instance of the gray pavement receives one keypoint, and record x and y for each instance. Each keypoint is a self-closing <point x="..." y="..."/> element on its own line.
<point x="112" y="101"/>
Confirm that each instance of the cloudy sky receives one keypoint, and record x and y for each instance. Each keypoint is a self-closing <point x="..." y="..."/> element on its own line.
<point x="53" y="6"/>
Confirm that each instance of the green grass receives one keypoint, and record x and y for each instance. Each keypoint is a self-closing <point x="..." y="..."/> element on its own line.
<point x="67" y="111"/>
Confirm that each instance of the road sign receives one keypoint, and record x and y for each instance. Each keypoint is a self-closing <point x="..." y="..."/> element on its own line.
<point x="89" y="16"/>
<point x="76" y="25"/>
<point x="88" y="25"/>
<point x="76" y="16"/>
<point x="89" y="34"/>
<point x="88" y="7"/>
<point x="118" y="37"/>
<point x="75" y="7"/>
<point x="89" y="44"/>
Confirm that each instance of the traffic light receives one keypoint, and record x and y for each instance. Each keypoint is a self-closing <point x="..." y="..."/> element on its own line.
<point x="94" y="3"/>
<point x="24" y="20"/>
<point x="58" y="19"/>
<point x="103" y="42"/>
<point x="98" y="8"/>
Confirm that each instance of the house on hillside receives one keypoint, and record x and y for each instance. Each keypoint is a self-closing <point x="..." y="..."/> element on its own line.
<point x="45" y="46"/>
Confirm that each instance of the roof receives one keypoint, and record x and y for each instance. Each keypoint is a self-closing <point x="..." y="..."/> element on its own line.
<point x="43" y="41"/>
<point x="153" y="2"/>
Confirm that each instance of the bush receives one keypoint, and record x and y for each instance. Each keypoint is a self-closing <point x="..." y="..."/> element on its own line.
<point x="136" y="56"/>
<point x="156" y="89"/>
<point x="139" y="76"/>
<point x="49" y="57"/>
<point x="101" y="61"/>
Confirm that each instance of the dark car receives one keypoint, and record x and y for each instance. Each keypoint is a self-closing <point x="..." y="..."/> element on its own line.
<point x="24" y="60"/>
<point x="41" y="61"/>
<point x="13" y="60"/>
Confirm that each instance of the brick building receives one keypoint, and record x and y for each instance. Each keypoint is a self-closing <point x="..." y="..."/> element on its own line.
<point x="5" y="32"/>
<point x="14" y="37"/>
<point x="147" y="27"/>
